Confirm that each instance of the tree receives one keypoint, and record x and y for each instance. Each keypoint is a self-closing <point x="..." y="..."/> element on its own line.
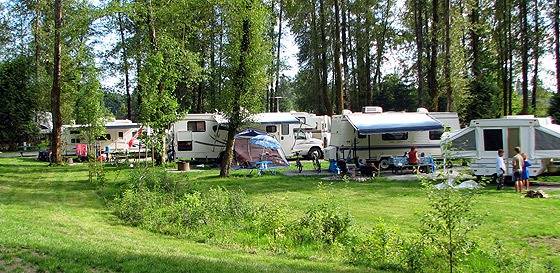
<point x="447" y="56"/>
<point x="324" y="62"/>
<point x="337" y="66"/>
<point x="524" y="55"/>
<point x="248" y="55"/>
<point x="556" y="24"/>
<point x="56" y="141"/>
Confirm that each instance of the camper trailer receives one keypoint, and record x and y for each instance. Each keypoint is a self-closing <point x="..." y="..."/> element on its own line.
<point x="318" y="126"/>
<point x="377" y="135"/>
<point x="202" y="137"/>
<point x="117" y="137"/>
<point x="537" y="137"/>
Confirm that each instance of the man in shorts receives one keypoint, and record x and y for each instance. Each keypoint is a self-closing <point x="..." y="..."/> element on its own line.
<point x="517" y="162"/>
<point x="500" y="169"/>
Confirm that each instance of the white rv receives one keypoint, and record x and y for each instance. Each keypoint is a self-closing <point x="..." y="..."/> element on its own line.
<point x="200" y="137"/>
<point x="118" y="135"/>
<point x="537" y="137"/>
<point x="377" y="135"/>
<point x="203" y="137"/>
<point x="318" y="126"/>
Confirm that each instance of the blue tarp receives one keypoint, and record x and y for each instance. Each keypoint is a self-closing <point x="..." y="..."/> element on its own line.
<point x="392" y="122"/>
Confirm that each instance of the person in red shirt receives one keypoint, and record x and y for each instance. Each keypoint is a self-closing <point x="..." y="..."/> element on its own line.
<point x="413" y="159"/>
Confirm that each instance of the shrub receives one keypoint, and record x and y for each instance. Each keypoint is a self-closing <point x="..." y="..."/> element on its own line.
<point x="322" y="223"/>
<point x="379" y="248"/>
<point x="129" y="207"/>
<point x="152" y="179"/>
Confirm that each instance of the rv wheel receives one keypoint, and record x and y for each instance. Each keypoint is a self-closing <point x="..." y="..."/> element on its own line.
<point x="384" y="163"/>
<point x="313" y="150"/>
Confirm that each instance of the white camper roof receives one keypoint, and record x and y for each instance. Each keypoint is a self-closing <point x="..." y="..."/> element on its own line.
<point x="275" y="118"/>
<point x="390" y="122"/>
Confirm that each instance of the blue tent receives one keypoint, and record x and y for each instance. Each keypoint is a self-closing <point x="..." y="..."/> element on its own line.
<point x="256" y="150"/>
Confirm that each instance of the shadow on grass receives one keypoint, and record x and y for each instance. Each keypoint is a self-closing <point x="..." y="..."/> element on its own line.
<point x="98" y="260"/>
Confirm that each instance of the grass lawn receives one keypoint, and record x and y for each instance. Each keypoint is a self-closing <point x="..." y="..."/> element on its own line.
<point x="52" y="219"/>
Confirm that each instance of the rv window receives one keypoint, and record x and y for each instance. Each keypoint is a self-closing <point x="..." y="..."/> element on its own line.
<point x="493" y="139"/>
<point x="395" y="136"/>
<point x="300" y="135"/>
<point x="196" y="126"/>
<point x="544" y="141"/>
<point x="466" y="142"/>
<point x="74" y="132"/>
<point x="184" y="145"/>
<point x="285" y="129"/>
<point x="105" y="137"/>
<point x="121" y="135"/>
<point x="271" y="129"/>
<point x="436" y="135"/>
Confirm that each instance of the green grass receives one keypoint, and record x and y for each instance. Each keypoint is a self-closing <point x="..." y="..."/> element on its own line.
<point x="52" y="219"/>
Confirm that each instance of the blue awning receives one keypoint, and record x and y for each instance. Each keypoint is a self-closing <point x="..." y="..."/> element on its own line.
<point x="392" y="122"/>
<point x="275" y="118"/>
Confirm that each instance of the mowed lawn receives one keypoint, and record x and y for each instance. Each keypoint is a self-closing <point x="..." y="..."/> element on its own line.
<point x="52" y="219"/>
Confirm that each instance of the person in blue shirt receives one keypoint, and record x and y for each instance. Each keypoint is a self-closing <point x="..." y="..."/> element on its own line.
<point x="525" y="171"/>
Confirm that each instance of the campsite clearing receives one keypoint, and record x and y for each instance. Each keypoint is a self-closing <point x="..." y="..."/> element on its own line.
<point x="52" y="219"/>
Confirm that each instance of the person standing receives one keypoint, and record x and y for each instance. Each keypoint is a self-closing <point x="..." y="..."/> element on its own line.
<point x="413" y="159"/>
<point x="500" y="169"/>
<point x="517" y="164"/>
<point x="525" y="171"/>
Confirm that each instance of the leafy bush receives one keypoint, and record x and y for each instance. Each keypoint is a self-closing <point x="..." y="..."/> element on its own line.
<point x="152" y="179"/>
<point x="322" y="223"/>
<point x="379" y="248"/>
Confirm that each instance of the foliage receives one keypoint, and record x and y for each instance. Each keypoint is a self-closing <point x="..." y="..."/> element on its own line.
<point x="19" y="102"/>
<point x="322" y="223"/>
<point x="554" y="108"/>
<point x="449" y="221"/>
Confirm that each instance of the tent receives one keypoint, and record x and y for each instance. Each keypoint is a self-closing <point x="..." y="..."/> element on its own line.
<point x="256" y="150"/>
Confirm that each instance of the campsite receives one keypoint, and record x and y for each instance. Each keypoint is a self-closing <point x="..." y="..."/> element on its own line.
<point x="280" y="136"/>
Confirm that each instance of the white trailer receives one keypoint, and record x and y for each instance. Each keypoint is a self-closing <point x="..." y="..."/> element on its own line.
<point x="377" y="135"/>
<point x="118" y="135"/>
<point x="202" y="137"/>
<point x="537" y="137"/>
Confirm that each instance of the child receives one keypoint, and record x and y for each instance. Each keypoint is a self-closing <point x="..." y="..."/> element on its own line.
<point x="525" y="171"/>
<point x="500" y="169"/>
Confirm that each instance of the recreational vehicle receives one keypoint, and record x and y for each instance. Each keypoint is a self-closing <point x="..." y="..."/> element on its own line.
<point x="318" y="126"/>
<point x="118" y="135"/>
<point x="202" y="137"/>
<point x="377" y="135"/>
<point x="537" y="137"/>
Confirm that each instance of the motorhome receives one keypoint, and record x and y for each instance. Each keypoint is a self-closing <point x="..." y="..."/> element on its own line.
<point x="318" y="126"/>
<point x="377" y="135"/>
<point x="539" y="138"/>
<point x="118" y="135"/>
<point x="202" y="137"/>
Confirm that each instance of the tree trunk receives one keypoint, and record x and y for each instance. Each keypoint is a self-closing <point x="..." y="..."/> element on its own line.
<point x="536" y="41"/>
<point x="36" y="35"/>
<point x="324" y="62"/>
<point x="125" y="67"/>
<point x="346" y="77"/>
<point x="432" y="72"/>
<point x="380" y="52"/>
<point x="475" y="41"/>
<point x="240" y="88"/>
<point x="524" y="56"/>
<point x="367" y="74"/>
<point x="557" y="42"/>
<point x="510" y="58"/>
<point x="419" y="33"/>
<point x="316" y="60"/>
<point x="447" y="61"/>
<point x="55" y="92"/>
<point x="337" y="66"/>
<point x="276" y="107"/>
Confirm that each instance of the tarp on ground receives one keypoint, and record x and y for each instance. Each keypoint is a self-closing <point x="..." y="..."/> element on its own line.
<point x="393" y="122"/>
<point x="248" y="152"/>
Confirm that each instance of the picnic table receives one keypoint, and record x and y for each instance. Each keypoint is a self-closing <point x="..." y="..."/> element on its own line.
<point x="400" y="163"/>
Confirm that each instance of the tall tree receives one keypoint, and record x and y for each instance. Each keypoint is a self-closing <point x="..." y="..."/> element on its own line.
<point x="524" y="55"/>
<point x="419" y="38"/>
<point x="337" y="66"/>
<point x="125" y="65"/>
<point x="56" y="142"/>
<point x="556" y="23"/>
<point x="447" y="58"/>
<point x="324" y="61"/>
<point x="536" y="49"/>
<point x="345" y="48"/>
<point x="434" y="44"/>
<point x="278" y="47"/>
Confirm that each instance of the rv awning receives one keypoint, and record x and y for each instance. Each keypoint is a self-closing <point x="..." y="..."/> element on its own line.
<point x="391" y="122"/>
<point x="275" y="118"/>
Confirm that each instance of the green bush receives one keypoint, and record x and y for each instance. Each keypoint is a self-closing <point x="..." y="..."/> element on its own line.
<point x="379" y="248"/>
<point x="323" y="223"/>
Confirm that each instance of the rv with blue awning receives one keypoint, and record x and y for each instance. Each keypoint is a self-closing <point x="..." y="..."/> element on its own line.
<point x="376" y="135"/>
